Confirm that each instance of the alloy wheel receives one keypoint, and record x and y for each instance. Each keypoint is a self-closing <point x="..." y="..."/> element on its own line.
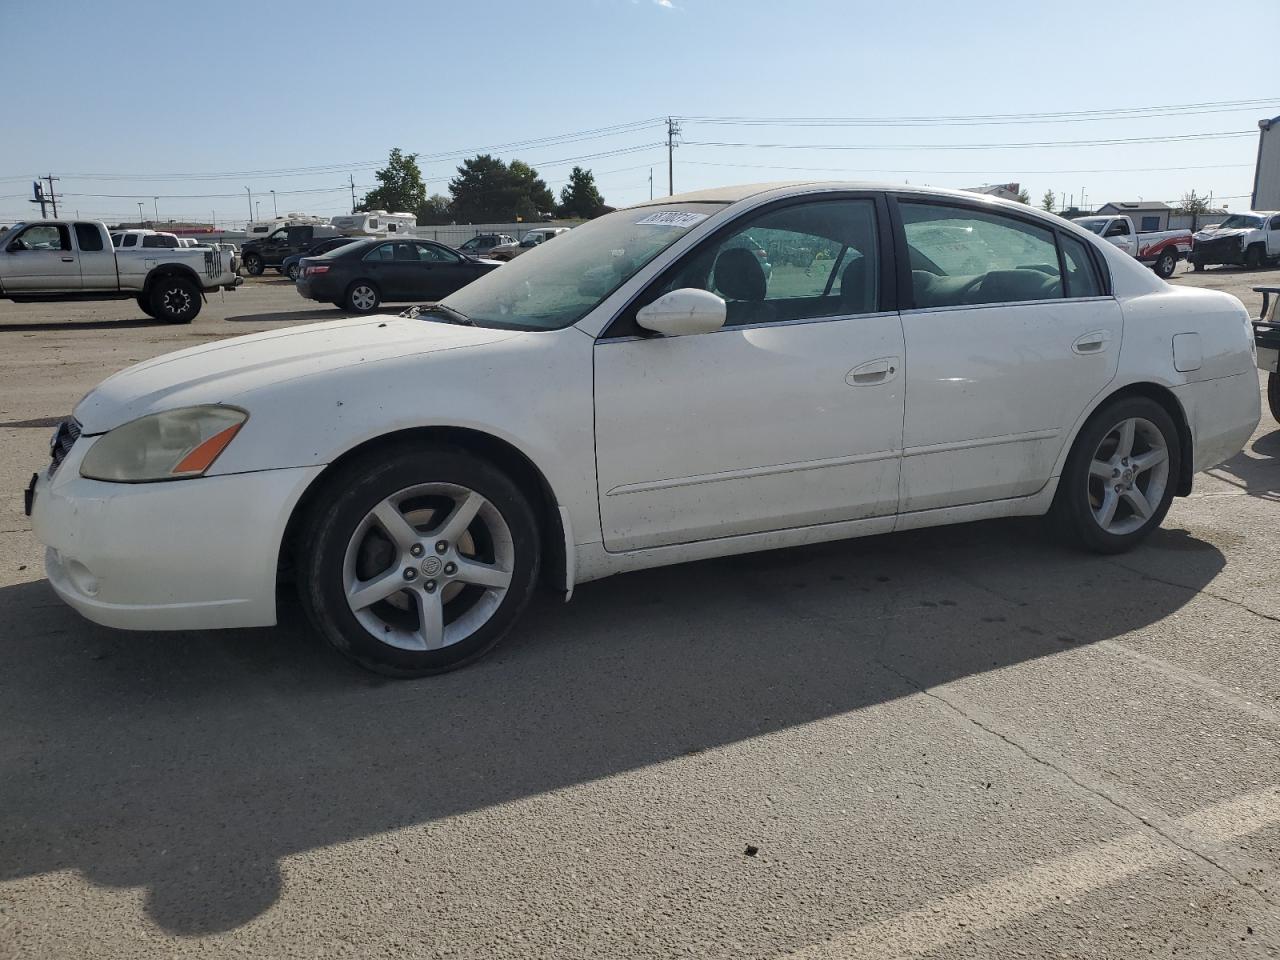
<point x="428" y="566"/>
<point x="1128" y="476"/>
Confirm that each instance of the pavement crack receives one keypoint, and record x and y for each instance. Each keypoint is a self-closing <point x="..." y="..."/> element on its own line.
<point x="1196" y="590"/>
<point x="1108" y="797"/>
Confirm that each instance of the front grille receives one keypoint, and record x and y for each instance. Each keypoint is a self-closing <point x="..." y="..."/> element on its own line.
<point x="1223" y="247"/>
<point x="64" y="438"/>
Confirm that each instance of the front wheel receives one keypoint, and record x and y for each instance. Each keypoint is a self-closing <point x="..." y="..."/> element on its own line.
<point x="1165" y="264"/>
<point x="1273" y="394"/>
<point x="175" y="300"/>
<point x="418" y="562"/>
<point x="1119" y="479"/>
<point x="1197" y="266"/>
<point x="1253" y="258"/>
<point x="253" y="265"/>
<point x="362" y="297"/>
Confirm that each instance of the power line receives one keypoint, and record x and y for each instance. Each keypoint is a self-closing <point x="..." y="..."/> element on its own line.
<point x="1019" y="145"/>
<point x="1019" y="171"/>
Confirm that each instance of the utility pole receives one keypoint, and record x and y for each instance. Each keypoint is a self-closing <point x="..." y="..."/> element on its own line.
<point x="37" y="196"/>
<point x="275" y="211"/>
<point x="53" y="197"/>
<point x="673" y="131"/>
<point x="141" y="222"/>
<point x="651" y="183"/>
<point x="156" y="201"/>
<point x="352" y="178"/>
<point x="250" y="192"/>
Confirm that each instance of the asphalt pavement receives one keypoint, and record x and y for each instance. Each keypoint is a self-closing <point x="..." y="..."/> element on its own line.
<point x="964" y="742"/>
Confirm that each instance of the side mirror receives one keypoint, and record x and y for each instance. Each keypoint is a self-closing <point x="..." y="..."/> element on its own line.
<point x="682" y="313"/>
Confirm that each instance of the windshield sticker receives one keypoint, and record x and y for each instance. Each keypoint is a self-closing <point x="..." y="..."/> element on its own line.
<point x="674" y="219"/>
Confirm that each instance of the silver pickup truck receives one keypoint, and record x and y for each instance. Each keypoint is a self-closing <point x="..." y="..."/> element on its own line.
<point x="59" y="260"/>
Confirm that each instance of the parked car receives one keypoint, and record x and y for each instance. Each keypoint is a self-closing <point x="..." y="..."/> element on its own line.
<point x="151" y="239"/>
<point x="291" y="266"/>
<point x="285" y="242"/>
<point x="1159" y="249"/>
<point x="534" y="238"/>
<point x="1250" y="239"/>
<point x="60" y="260"/>
<point x="361" y="276"/>
<point x="1267" y="340"/>
<point x="963" y="358"/>
<point x="483" y="245"/>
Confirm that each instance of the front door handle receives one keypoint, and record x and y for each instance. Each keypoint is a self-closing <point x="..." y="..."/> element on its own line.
<point x="880" y="370"/>
<point x="1095" y="341"/>
<point x="68" y="259"/>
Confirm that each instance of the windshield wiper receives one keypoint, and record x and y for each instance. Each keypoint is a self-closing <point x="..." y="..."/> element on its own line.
<point x="453" y="315"/>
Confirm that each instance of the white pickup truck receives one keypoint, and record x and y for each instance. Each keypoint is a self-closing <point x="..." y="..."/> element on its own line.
<point x="59" y="260"/>
<point x="1250" y="239"/>
<point x="1160" y="249"/>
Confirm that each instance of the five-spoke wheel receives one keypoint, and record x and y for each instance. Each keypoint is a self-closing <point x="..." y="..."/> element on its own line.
<point x="419" y="562"/>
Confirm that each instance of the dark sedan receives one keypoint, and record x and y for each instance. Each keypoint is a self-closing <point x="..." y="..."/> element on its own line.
<point x="360" y="276"/>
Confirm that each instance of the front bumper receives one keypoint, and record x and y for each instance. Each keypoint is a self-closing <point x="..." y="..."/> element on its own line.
<point x="179" y="555"/>
<point x="1226" y="250"/>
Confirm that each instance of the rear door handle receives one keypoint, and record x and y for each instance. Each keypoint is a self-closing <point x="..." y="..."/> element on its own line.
<point x="68" y="259"/>
<point x="1094" y="342"/>
<point x="880" y="370"/>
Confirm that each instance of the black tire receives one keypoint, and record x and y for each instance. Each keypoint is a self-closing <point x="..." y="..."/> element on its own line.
<point x="1253" y="258"/>
<point x="175" y="300"/>
<point x="1166" y="264"/>
<point x="293" y="271"/>
<point x="144" y="304"/>
<point x="1072" y="512"/>
<point x="1197" y="266"/>
<point x="1273" y="394"/>
<point x="362" y="297"/>
<point x="253" y="265"/>
<point x="341" y="508"/>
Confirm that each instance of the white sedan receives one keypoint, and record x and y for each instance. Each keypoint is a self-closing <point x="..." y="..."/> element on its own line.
<point x="641" y="392"/>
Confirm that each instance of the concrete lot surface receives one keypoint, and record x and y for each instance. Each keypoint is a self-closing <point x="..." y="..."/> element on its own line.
<point x="966" y="742"/>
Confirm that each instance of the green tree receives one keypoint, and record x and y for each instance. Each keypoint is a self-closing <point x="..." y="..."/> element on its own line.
<point x="580" y="198"/>
<point x="1193" y="202"/>
<point x="400" y="187"/>
<point x="1049" y="201"/>
<point x="436" y="210"/>
<point x="1024" y="196"/>
<point x="486" y="190"/>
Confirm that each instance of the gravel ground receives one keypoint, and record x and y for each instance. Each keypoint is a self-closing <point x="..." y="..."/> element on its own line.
<point x="965" y="742"/>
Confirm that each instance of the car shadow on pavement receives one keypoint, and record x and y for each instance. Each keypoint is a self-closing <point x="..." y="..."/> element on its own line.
<point x="327" y="313"/>
<point x="1254" y="469"/>
<point x="191" y="764"/>
<point x="56" y="325"/>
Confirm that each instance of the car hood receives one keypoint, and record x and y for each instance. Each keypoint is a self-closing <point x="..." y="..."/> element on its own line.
<point x="1211" y="234"/>
<point x="222" y="371"/>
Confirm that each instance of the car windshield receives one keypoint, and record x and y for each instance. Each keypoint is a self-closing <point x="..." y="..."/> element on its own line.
<point x="1239" y="221"/>
<point x="560" y="283"/>
<point x="1095" y="225"/>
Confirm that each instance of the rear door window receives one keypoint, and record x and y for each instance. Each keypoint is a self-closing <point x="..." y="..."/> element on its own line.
<point x="88" y="237"/>
<point x="963" y="257"/>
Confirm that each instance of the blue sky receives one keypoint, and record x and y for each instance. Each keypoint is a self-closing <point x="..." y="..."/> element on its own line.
<point x="256" y="92"/>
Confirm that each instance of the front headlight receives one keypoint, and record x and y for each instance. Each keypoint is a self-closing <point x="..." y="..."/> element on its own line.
<point x="174" y="445"/>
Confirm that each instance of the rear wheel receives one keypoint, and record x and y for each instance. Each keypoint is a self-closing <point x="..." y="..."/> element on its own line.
<point x="362" y="297"/>
<point x="175" y="300"/>
<point x="1119" y="480"/>
<point x="293" y="271"/>
<point x="1273" y="394"/>
<point x="419" y="562"/>
<point x="1165" y="264"/>
<point x="1253" y="257"/>
<point x="253" y="265"/>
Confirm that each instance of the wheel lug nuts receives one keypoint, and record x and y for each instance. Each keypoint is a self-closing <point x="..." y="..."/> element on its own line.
<point x="429" y="586"/>
<point x="416" y="550"/>
<point x="1115" y="473"/>
<point x="442" y="546"/>
<point x="450" y="569"/>
<point x="411" y="574"/>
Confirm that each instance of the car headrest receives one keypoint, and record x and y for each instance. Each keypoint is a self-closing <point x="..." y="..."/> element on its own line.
<point x="739" y="276"/>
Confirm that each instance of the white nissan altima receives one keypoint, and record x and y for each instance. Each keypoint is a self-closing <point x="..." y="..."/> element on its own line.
<point x="643" y="392"/>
